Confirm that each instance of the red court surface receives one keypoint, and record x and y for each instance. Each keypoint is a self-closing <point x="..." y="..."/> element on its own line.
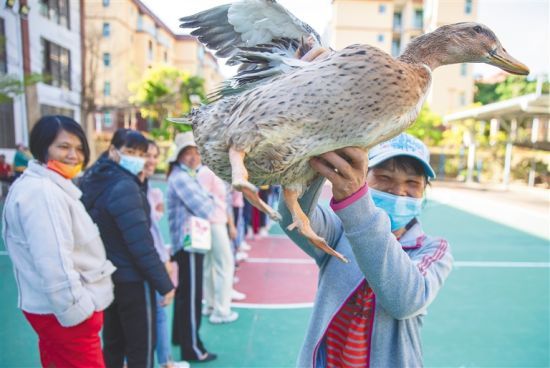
<point x="276" y="274"/>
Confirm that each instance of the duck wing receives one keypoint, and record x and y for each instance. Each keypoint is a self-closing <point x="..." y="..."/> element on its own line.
<point x="261" y="35"/>
<point x="246" y="23"/>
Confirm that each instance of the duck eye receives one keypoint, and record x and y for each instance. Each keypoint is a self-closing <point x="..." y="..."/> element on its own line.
<point x="477" y="29"/>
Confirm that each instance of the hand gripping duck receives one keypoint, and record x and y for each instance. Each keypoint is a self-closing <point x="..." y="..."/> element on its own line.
<point x="293" y="98"/>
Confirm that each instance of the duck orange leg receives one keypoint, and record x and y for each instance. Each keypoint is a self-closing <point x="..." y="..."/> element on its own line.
<point x="239" y="177"/>
<point x="301" y="221"/>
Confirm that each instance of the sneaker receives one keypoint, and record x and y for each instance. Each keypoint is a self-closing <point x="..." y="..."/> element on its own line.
<point x="206" y="310"/>
<point x="182" y="364"/>
<point x="207" y="357"/>
<point x="236" y="295"/>
<point x="245" y="246"/>
<point x="241" y="256"/>
<point x="218" y="318"/>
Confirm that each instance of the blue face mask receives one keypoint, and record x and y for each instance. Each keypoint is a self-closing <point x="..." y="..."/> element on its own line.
<point x="401" y="210"/>
<point x="131" y="163"/>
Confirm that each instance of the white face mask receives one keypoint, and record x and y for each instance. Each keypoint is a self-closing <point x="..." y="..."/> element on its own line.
<point x="131" y="163"/>
<point x="401" y="210"/>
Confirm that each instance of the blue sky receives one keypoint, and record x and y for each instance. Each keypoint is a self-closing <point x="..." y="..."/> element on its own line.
<point x="523" y="26"/>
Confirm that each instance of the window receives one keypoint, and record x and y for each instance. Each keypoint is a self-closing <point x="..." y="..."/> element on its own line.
<point x="395" y="47"/>
<point x="7" y="124"/>
<point x="462" y="99"/>
<point x="380" y="38"/>
<point x="397" y="21"/>
<point x="56" y="10"/>
<point x="165" y="56"/>
<point x="150" y="51"/>
<point x="3" y="53"/>
<point x="55" y="110"/>
<point x="464" y="70"/>
<point x="106" y="29"/>
<point x="382" y="8"/>
<point x="468" y="7"/>
<point x="418" y="21"/>
<point x="107" y="119"/>
<point x="106" y="88"/>
<point x="106" y="59"/>
<point x="56" y="64"/>
<point x="106" y="3"/>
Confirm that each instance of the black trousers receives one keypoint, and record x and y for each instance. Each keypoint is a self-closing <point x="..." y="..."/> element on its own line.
<point x="187" y="305"/>
<point x="129" y="328"/>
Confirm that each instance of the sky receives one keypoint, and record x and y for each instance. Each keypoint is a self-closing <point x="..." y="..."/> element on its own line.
<point x="522" y="26"/>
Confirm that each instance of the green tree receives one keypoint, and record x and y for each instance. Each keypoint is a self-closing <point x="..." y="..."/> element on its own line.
<point x="512" y="86"/>
<point x="12" y="85"/>
<point x="164" y="92"/>
<point x="428" y="127"/>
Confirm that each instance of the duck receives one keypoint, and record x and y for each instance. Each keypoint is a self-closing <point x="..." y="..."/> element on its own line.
<point x="293" y="98"/>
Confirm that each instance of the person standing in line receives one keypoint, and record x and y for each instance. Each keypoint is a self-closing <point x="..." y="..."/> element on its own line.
<point x="62" y="273"/>
<point x="21" y="159"/>
<point x="219" y="265"/>
<point x="156" y="203"/>
<point x="115" y="198"/>
<point x="186" y="198"/>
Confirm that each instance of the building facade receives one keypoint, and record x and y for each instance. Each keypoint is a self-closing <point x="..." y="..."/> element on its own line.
<point x="391" y="24"/>
<point x="40" y="37"/>
<point x="124" y="39"/>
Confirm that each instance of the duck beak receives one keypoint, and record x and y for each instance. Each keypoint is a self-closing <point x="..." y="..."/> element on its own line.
<point x="501" y="59"/>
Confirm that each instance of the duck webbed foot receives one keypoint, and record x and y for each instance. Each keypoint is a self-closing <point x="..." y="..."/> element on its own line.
<point x="239" y="177"/>
<point x="301" y="222"/>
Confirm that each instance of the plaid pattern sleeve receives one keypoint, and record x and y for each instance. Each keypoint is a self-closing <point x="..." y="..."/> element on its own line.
<point x="198" y="202"/>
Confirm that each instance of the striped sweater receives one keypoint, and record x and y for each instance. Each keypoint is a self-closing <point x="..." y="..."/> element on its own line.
<point x="405" y="276"/>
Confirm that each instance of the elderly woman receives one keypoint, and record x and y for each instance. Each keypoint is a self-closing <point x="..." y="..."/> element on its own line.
<point x="61" y="270"/>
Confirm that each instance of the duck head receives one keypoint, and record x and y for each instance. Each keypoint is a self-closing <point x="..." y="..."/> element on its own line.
<point x="466" y="42"/>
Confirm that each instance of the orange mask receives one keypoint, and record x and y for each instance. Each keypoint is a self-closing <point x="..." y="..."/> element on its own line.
<point x="67" y="171"/>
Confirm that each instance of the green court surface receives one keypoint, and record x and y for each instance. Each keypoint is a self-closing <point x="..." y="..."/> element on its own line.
<point x="493" y="311"/>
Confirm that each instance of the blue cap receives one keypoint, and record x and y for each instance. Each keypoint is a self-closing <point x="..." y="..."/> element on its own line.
<point x="402" y="145"/>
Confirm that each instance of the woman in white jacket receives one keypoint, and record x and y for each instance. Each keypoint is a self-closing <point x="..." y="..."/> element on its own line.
<point x="62" y="274"/>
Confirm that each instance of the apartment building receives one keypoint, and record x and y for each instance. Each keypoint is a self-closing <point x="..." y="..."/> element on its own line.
<point x="43" y="37"/>
<point x="123" y="39"/>
<point x="391" y="24"/>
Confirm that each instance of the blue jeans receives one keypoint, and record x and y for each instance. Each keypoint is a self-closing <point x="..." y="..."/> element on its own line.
<point x="163" y="348"/>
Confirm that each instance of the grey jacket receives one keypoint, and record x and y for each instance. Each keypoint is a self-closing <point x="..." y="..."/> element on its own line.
<point x="405" y="275"/>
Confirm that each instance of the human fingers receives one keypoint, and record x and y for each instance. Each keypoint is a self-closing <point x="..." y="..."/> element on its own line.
<point x="357" y="157"/>
<point x="338" y="162"/>
<point x="325" y="169"/>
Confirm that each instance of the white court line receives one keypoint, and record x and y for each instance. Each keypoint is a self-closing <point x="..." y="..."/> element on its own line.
<point x="478" y="264"/>
<point x="280" y="260"/>
<point x="457" y="263"/>
<point x="502" y="264"/>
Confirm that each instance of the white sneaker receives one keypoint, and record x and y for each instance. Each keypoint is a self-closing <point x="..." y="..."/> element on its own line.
<point x="245" y="246"/>
<point x="241" y="256"/>
<point x="218" y="318"/>
<point x="182" y="364"/>
<point x="206" y="310"/>
<point x="236" y="295"/>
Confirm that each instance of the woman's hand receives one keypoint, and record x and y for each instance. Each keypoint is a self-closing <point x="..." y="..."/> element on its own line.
<point x="345" y="168"/>
<point x="168" y="298"/>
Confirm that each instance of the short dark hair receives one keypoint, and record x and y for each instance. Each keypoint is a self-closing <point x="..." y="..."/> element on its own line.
<point x="129" y="138"/>
<point x="408" y="164"/>
<point x="45" y="131"/>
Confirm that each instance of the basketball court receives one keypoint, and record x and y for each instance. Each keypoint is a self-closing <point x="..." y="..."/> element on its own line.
<point x="492" y="312"/>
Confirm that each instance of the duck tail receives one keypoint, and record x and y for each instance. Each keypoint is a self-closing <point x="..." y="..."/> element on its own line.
<point x="186" y="120"/>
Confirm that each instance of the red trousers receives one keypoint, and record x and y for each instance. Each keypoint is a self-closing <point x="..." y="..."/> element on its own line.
<point x="67" y="347"/>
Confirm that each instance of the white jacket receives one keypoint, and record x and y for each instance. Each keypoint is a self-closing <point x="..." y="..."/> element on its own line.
<point x="58" y="257"/>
